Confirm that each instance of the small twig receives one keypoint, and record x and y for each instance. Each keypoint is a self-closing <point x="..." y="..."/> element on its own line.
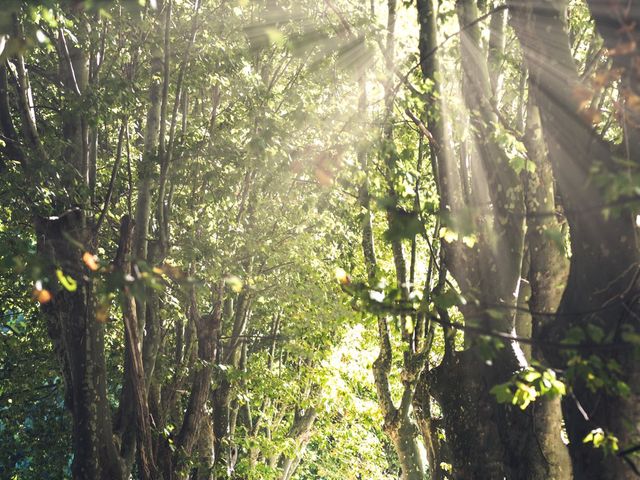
<point x="503" y="335"/>
<point x="421" y="126"/>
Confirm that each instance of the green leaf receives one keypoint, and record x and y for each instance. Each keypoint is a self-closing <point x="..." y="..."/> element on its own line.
<point x="66" y="281"/>
<point x="631" y="337"/>
<point x="596" y="333"/>
<point x="403" y="225"/>
<point x="502" y="392"/>
<point x="276" y="37"/>
<point x="447" y="299"/>
<point x="558" y="387"/>
<point x="531" y="375"/>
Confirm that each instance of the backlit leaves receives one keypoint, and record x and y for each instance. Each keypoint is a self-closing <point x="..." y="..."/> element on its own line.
<point x="66" y="281"/>
<point x="529" y="385"/>
<point x="234" y="283"/>
<point x="601" y="439"/>
<point x="91" y="261"/>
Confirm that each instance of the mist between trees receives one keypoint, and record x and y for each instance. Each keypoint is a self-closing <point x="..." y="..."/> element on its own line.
<point x="332" y="239"/>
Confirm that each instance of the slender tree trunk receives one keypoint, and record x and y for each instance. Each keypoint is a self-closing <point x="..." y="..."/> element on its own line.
<point x="147" y="170"/>
<point x="74" y="72"/>
<point x="548" y="268"/>
<point x="497" y="43"/>
<point x="208" y="331"/>
<point x="134" y="370"/>
<point x="300" y="431"/>
<point x="398" y="422"/>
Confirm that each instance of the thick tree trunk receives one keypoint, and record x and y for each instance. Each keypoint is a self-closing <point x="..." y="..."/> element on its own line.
<point x="462" y="383"/>
<point x="604" y="250"/>
<point x="454" y="384"/>
<point x="79" y="341"/>
<point x="208" y="331"/>
<point x="502" y="233"/>
<point x="205" y="452"/>
<point x="221" y="405"/>
<point x="472" y="435"/>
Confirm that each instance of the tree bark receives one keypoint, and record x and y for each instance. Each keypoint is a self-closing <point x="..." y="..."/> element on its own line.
<point x="490" y="272"/>
<point x="603" y="247"/>
<point x="548" y="269"/>
<point x="300" y="431"/>
<point x="134" y="368"/>
<point x="208" y="331"/>
<point x="79" y="340"/>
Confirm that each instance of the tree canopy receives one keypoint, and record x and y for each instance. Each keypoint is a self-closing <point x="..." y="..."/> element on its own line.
<point x="281" y="239"/>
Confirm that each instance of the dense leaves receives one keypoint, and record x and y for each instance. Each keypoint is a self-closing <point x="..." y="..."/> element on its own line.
<point x="297" y="239"/>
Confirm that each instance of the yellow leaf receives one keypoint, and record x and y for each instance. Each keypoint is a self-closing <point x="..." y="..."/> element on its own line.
<point x="91" y="261"/>
<point x="342" y="276"/>
<point x="235" y="283"/>
<point x="171" y="271"/>
<point x="42" y="296"/>
<point x="448" y="235"/>
<point x="409" y="325"/>
<point x="66" y="281"/>
<point x="469" y="240"/>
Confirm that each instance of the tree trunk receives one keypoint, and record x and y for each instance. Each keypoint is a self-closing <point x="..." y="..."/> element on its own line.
<point x="603" y="247"/>
<point x="300" y="431"/>
<point x="79" y="341"/>
<point x="405" y="442"/>
<point x="134" y="369"/>
<point x="434" y="446"/>
<point x="468" y="417"/>
<point x="548" y="270"/>
<point x="205" y="452"/>
<point x="221" y="403"/>
<point x="462" y="383"/>
<point x="208" y="331"/>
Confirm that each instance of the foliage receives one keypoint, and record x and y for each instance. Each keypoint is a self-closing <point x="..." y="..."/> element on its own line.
<point x="276" y="240"/>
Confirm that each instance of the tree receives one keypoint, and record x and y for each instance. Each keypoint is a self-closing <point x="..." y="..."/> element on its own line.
<point x="597" y="275"/>
<point x="295" y="240"/>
